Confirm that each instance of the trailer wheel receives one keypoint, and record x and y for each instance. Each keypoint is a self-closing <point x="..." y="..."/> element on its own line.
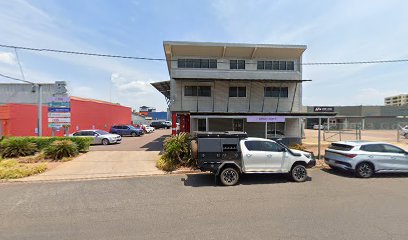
<point x="194" y="149"/>
<point x="229" y="176"/>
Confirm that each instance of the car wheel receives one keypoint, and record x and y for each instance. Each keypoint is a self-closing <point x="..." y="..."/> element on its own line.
<point x="364" y="170"/>
<point x="105" y="141"/>
<point x="299" y="173"/>
<point x="229" y="177"/>
<point x="134" y="134"/>
<point x="406" y="135"/>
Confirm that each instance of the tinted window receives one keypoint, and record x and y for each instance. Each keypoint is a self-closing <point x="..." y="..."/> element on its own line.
<point x="78" y="134"/>
<point x="372" y="148"/>
<point x="190" y="91"/>
<point x="262" y="146"/>
<point x="204" y="91"/>
<point x="237" y="91"/>
<point x="342" y="147"/>
<point x="197" y="63"/>
<point x="392" y="149"/>
<point x="282" y="92"/>
<point x="261" y="65"/>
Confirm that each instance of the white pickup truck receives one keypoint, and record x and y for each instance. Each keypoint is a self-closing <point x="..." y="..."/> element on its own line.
<point x="230" y="154"/>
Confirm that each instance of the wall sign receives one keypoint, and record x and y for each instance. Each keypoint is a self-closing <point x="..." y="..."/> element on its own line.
<point x="265" y="119"/>
<point x="323" y="109"/>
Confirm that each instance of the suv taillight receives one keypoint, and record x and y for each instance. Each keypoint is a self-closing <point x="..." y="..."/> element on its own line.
<point x="348" y="155"/>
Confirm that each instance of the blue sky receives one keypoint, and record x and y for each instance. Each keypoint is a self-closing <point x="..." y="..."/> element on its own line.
<point x="332" y="30"/>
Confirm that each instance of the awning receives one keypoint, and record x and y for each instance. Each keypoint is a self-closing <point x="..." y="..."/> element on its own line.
<point x="163" y="88"/>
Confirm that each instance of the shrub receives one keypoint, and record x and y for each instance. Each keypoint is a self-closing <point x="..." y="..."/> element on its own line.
<point x="166" y="165"/>
<point x="176" y="152"/>
<point x="17" y="147"/>
<point x="298" y="147"/>
<point x="83" y="143"/>
<point x="12" y="169"/>
<point x="60" y="149"/>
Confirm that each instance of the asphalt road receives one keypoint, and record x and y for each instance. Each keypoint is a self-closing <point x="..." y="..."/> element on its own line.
<point x="329" y="206"/>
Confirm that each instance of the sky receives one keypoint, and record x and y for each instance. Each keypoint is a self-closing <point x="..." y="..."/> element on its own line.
<point x="334" y="31"/>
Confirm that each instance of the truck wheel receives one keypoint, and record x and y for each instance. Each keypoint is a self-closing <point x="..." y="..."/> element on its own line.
<point x="299" y="173"/>
<point x="134" y="134"/>
<point x="194" y="149"/>
<point x="229" y="176"/>
<point x="364" y="170"/>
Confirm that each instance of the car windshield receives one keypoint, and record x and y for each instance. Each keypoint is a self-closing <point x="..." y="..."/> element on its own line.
<point x="131" y="127"/>
<point x="101" y="132"/>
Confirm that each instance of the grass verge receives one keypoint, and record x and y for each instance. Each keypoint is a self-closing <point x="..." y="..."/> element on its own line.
<point x="11" y="169"/>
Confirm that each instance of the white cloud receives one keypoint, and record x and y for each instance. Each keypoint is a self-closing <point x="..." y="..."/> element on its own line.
<point x="7" y="58"/>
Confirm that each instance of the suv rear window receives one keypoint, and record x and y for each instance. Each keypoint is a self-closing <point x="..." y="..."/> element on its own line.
<point x="341" y="147"/>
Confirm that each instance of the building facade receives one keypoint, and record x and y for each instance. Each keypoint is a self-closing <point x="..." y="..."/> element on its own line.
<point x="17" y="119"/>
<point x="398" y="100"/>
<point x="256" y="88"/>
<point x="364" y="117"/>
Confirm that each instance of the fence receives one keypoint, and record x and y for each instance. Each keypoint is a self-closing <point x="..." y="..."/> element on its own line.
<point x="341" y="132"/>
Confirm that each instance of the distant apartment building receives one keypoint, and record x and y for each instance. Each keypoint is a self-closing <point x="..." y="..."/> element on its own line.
<point x="398" y="100"/>
<point x="256" y="88"/>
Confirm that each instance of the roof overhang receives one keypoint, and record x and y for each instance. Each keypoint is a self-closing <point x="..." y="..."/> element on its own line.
<point x="244" y="114"/>
<point x="230" y="50"/>
<point x="164" y="88"/>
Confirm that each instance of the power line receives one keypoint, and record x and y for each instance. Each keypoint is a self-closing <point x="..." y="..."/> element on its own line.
<point x="16" y="79"/>
<point x="163" y="59"/>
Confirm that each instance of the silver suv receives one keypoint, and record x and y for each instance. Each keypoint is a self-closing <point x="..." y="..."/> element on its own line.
<point x="366" y="158"/>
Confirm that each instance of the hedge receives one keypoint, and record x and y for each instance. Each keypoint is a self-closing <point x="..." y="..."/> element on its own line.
<point x="82" y="143"/>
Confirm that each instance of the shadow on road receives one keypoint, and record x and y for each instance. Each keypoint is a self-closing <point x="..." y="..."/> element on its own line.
<point x="349" y="174"/>
<point x="155" y="145"/>
<point x="207" y="179"/>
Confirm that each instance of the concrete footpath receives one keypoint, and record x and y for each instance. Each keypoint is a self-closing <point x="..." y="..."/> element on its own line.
<point x="102" y="164"/>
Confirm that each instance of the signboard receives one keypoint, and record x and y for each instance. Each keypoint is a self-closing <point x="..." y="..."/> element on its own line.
<point x="58" y="125"/>
<point x="59" y="104"/>
<point x="59" y="110"/>
<point x="323" y="109"/>
<point x="59" y="120"/>
<point x="59" y="115"/>
<point x="265" y="119"/>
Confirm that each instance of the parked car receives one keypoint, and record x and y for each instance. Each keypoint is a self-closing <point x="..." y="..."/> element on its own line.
<point x="230" y="154"/>
<point x="404" y="131"/>
<point x="317" y="127"/>
<point x="159" y="124"/>
<point x="168" y="123"/>
<point x="100" y="136"/>
<point x="366" y="158"/>
<point x="274" y="134"/>
<point x="127" y="130"/>
<point x="147" y="128"/>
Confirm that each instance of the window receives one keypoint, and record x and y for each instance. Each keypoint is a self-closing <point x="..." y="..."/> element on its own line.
<point x="276" y="65"/>
<point x="238" y="125"/>
<point x="201" y="125"/>
<point x="237" y="91"/>
<point x="204" y="91"/>
<point x="282" y="92"/>
<point x="190" y="91"/>
<point x="201" y="91"/>
<point x="263" y="146"/>
<point x="372" y="148"/>
<point x="392" y="149"/>
<point x="197" y="63"/>
<point x="237" y="64"/>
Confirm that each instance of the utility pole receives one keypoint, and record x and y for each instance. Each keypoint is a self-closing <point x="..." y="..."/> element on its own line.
<point x="39" y="110"/>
